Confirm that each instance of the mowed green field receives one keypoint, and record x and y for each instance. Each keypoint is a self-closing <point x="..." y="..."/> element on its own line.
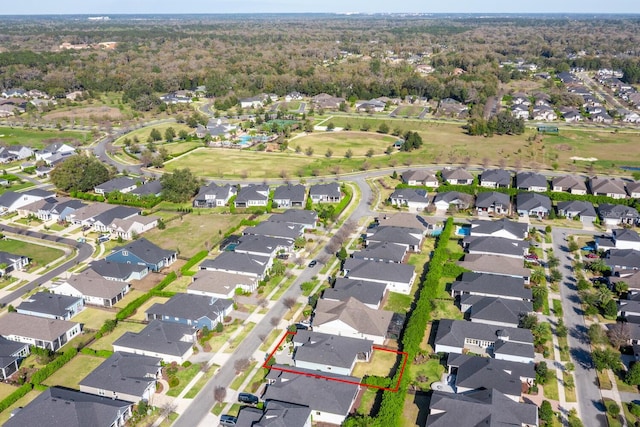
<point x="444" y="143"/>
<point x="38" y="138"/>
<point x="144" y="132"/>
<point x="339" y="142"/>
<point x="40" y="255"/>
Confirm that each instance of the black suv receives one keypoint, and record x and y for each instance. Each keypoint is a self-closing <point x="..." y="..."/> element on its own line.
<point x="248" y="398"/>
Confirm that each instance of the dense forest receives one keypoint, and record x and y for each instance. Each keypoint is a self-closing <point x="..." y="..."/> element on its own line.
<point x="353" y="57"/>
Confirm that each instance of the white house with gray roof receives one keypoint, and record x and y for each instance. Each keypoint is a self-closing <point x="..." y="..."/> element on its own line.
<point x="626" y="238"/>
<point x="212" y="195"/>
<point x="275" y="414"/>
<point x="198" y="311"/>
<point x="411" y="198"/>
<point x="578" y="209"/>
<point x="124" y="376"/>
<point x="411" y="238"/>
<point x="397" y="277"/>
<point x="329" y="353"/>
<point x="495" y="178"/>
<point x="122" y="184"/>
<point x="325" y="193"/>
<point x="531" y="181"/>
<point x="351" y="318"/>
<point x="607" y="186"/>
<point x="172" y="342"/>
<point x="490" y="285"/>
<point x="285" y="230"/>
<point x="500" y="228"/>
<point x="307" y="218"/>
<point x="495" y="311"/>
<point x="220" y="284"/>
<point x="51" y="306"/>
<point x="493" y="202"/>
<point x="533" y="204"/>
<point x="368" y="293"/>
<point x="617" y="214"/>
<point x="93" y="288"/>
<point x="10" y="201"/>
<point x="457" y="176"/>
<point x="239" y="263"/>
<point x="569" y="184"/>
<point x="490" y="245"/>
<point x="382" y="252"/>
<point x="252" y="195"/>
<point x="41" y="332"/>
<point x="264" y="245"/>
<point x="420" y="177"/>
<point x="290" y="196"/>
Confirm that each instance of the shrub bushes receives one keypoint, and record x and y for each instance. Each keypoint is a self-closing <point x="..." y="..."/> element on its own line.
<point x="193" y="261"/>
<point x="13" y="397"/>
<point x="53" y="366"/>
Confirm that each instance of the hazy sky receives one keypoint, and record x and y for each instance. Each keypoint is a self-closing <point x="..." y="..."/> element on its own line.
<point x="257" y="6"/>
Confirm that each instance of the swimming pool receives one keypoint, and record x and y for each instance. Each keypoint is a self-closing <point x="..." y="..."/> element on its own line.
<point x="463" y="230"/>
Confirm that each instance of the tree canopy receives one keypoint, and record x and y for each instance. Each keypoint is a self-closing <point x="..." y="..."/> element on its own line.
<point x="180" y="186"/>
<point x="80" y="173"/>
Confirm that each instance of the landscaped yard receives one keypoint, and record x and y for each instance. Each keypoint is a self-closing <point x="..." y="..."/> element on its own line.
<point x="185" y="375"/>
<point x="398" y="303"/>
<point x="426" y="373"/>
<point x="130" y="296"/>
<point x="74" y="371"/>
<point x="38" y="254"/>
<point x="381" y="364"/>
<point x="240" y="337"/>
<point x="551" y="386"/>
<point x="105" y="343"/>
<point x="144" y="133"/>
<point x="6" y="390"/>
<point x="140" y="312"/>
<point x="239" y="379"/>
<point x="38" y="138"/>
<point x="93" y="318"/>
<point x="570" y="394"/>
<point x="190" y="234"/>
<point x="218" y="340"/>
<point x="179" y="285"/>
<point x="193" y="391"/>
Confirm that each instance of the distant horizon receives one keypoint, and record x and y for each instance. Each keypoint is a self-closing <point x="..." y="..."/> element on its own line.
<point x="224" y="7"/>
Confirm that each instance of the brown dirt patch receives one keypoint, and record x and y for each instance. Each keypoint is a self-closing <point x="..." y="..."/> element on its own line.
<point x="87" y="112"/>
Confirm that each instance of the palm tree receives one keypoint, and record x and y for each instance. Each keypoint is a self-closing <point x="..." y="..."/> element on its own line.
<point x="537" y="276"/>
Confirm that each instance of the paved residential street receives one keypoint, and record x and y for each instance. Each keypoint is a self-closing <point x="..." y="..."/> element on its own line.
<point x="587" y="391"/>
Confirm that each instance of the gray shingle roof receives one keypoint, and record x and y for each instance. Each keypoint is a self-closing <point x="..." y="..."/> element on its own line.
<point x="577" y="207"/>
<point x="239" y="262"/>
<point x="62" y="407"/>
<point x="410" y="195"/>
<point x="529" y="201"/>
<point x="492" y="284"/>
<point x="496" y="245"/>
<point x="500" y="177"/>
<point x="116" y="184"/>
<point x="453" y="333"/>
<point x="331" y="189"/>
<point x="355" y="314"/>
<point x="626" y="234"/>
<point x="378" y="271"/>
<point x="252" y="192"/>
<point x="124" y="373"/>
<point x="382" y="250"/>
<point x="418" y="175"/>
<point x="9" y="350"/>
<point x="488" y="408"/>
<point x="115" y="270"/>
<point x="494" y="264"/>
<point x="146" y="251"/>
<point x="158" y="337"/>
<point x="527" y="180"/>
<point x="569" y="182"/>
<point x="319" y="394"/>
<point x="117" y="212"/>
<point x="608" y="210"/>
<point x="212" y="189"/>
<point x="607" y="185"/>
<point x="189" y="306"/>
<point x="295" y="216"/>
<point x="394" y="234"/>
<point x="294" y="193"/>
<point x="458" y="173"/>
<point x="150" y="188"/>
<point x="366" y="292"/>
<point x="48" y="303"/>
<point x="276" y="229"/>
<point x="500" y="310"/>
<point x="482" y="372"/>
<point x="33" y="327"/>
<point x="487" y="199"/>
<point x="276" y="414"/>
<point x="628" y="258"/>
<point x="262" y="244"/>
<point x="326" y="349"/>
<point x="522" y="370"/>
<point x="455" y="197"/>
<point x="481" y="227"/>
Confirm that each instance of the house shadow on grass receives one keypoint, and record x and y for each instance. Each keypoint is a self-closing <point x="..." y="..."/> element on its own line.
<point x="421" y="400"/>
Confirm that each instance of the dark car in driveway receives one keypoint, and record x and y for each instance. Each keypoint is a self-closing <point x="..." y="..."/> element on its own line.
<point x="228" y="420"/>
<point x="312" y="263"/>
<point x="248" y="398"/>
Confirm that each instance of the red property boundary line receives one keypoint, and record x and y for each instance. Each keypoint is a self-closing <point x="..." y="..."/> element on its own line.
<point x="394" y="389"/>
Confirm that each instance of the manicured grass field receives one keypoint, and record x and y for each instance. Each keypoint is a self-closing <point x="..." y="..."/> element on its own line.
<point x="144" y="133"/>
<point x="178" y="147"/>
<point x="551" y="386"/>
<point x="185" y="375"/>
<point x="38" y="138"/>
<point x="381" y="364"/>
<point x="240" y="337"/>
<point x="140" y="312"/>
<point x="6" y="390"/>
<point x="339" y="142"/>
<point x="105" y="343"/>
<point x="426" y="373"/>
<point x="190" y="233"/>
<point x="398" y="303"/>
<point x="74" y="371"/>
<point x="39" y="255"/>
<point x="93" y="318"/>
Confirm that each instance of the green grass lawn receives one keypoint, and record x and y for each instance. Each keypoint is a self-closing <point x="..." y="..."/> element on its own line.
<point x="190" y="234"/>
<point x="557" y="307"/>
<point x="564" y="349"/>
<point x="130" y="296"/>
<point x="39" y="255"/>
<point x="185" y="375"/>
<point x="339" y="142"/>
<point x="570" y="394"/>
<point x="274" y="335"/>
<point x="240" y="337"/>
<point x="218" y="340"/>
<point x="551" y="386"/>
<point x="613" y="422"/>
<point x="603" y="380"/>
<point x="446" y="310"/>
<point x="426" y="373"/>
<point x="179" y="147"/>
<point x="105" y="343"/>
<point x="398" y="303"/>
<point x="6" y="390"/>
<point x="381" y="364"/>
<point x="193" y="391"/>
<point x="140" y="313"/>
<point x="239" y="379"/>
<point x="93" y="318"/>
<point x="257" y="380"/>
<point x="74" y="371"/>
<point x="38" y="138"/>
<point x="179" y="285"/>
<point x="367" y="400"/>
<point x="145" y="132"/>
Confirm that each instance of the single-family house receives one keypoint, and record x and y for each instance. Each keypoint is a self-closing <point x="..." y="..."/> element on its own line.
<point x="85" y="215"/>
<point x="198" y="311"/>
<point x="239" y="263"/>
<point x="10" y="201"/>
<point x="10" y="262"/>
<point x="398" y="277"/>
<point x="495" y="178"/>
<point x="149" y="188"/>
<point x="41" y="332"/>
<point x="420" y="177"/>
<point x="64" y="407"/>
<point x="11" y="355"/>
<point x="368" y="293"/>
<point x="212" y="195"/>
<point x="495" y="264"/>
<point x="606" y="186"/>
<point x="544" y="113"/>
<point x="578" y="209"/>
<point x="411" y="238"/>
<point x="421" y="223"/>
<point x="351" y="318"/>
<point x="135" y="225"/>
<point x="51" y="306"/>
<point x="533" y="204"/>
<point x="172" y="342"/>
<point x="626" y="238"/>
<point x="520" y="111"/>
<point x="56" y="150"/>
<point x="119" y="272"/>
<point x="460" y="336"/>
<point x="102" y="222"/>
<point x="220" y="284"/>
<point x="382" y="252"/>
<point x="475" y="373"/>
<point x="326" y="101"/>
<point x="414" y="199"/>
<point x="252" y="195"/>
<point x="623" y="262"/>
<point x="495" y="311"/>
<point x="307" y="218"/>
<point x="122" y="184"/>
<point x="493" y="202"/>
<point x="283" y="230"/>
<point x="500" y="228"/>
<point x="490" y="285"/>
<point x="92" y="288"/>
<point x="490" y="245"/>
<point x="571" y="115"/>
<point x="264" y="245"/>
<point x="330" y="399"/>
<point x="618" y="214"/>
<point x="124" y="376"/>
<point x="373" y="105"/>
<point x="569" y="184"/>
<point x="252" y="102"/>
<point x="452" y="199"/>
<point x="629" y="309"/>
<point x="143" y="252"/>
<point x="531" y="181"/>
<point x="457" y="176"/>
<point x="275" y="413"/>
<point x="479" y="407"/>
<point x="329" y="353"/>
<point x="289" y="196"/>
<point x="325" y="193"/>
<point x="633" y="189"/>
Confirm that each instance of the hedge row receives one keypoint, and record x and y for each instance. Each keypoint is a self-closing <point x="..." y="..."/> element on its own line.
<point x="392" y="404"/>
<point x="165" y="282"/>
<point x="342" y="205"/>
<point x="13" y="397"/>
<point x="193" y="261"/>
<point x="131" y="308"/>
<point x="98" y="353"/>
<point x="53" y="366"/>
<point x="243" y="223"/>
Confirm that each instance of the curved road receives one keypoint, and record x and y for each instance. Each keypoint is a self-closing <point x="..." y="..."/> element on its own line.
<point x="84" y="251"/>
